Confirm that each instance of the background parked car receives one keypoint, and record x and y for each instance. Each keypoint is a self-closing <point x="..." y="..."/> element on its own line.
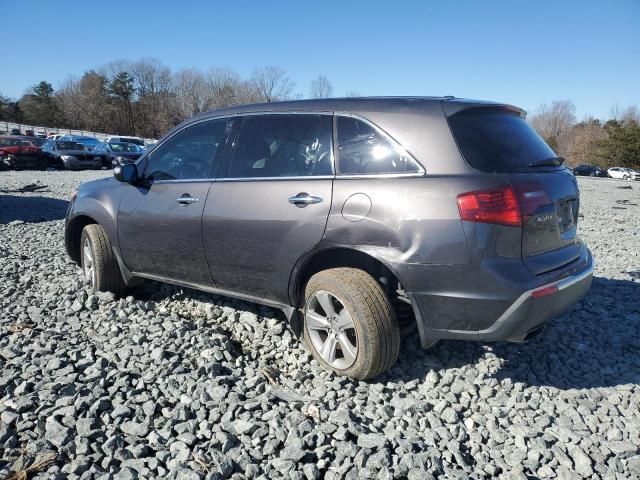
<point x="55" y="136"/>
<point x="113" y="153"/>
<point x="69" y="155"/>
<point x="15" y="131"/>
<point x="589" y="171"/>
<point x="89" y="142"/>
<point x="20" y="153"/>
<point x="623" y="173"/>
<point x="136" y="140"/>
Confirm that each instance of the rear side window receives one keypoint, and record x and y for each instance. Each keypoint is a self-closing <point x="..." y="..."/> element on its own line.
<point x="493" y="140"/>
<point x="362" y="150"/>
<point x="288" y="145"/>
<point x="190" y="153"/>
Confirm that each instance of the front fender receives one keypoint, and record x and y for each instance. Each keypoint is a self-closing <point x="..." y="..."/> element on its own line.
<point x="97" y="202"/>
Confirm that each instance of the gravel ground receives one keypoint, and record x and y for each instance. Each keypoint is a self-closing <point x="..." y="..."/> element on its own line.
<point x="172" y="383"/>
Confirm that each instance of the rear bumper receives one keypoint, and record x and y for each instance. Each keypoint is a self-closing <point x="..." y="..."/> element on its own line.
<point x="491" y="317"/>
<point x="527" y="314"/>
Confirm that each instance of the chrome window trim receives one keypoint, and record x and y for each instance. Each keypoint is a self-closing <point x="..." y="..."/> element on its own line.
<point x="181" y="180"/>
<point x="241" y="179"/>
<point x="335" y="175"/>
<point x="422" y="171"/>
<point x="256" y="179"/>
<point x="284" y="112"/>
<point x="380" y="175"/>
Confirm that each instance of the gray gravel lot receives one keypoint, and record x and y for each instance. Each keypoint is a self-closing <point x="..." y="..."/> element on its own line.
<point x="170" y="383"/>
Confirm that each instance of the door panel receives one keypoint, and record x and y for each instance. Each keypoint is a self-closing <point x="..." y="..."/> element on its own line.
<point x="253" y="229"/>
<point x="253" y="235"/>
<point x="159" y="236"/>
<point x="159" y="221"/>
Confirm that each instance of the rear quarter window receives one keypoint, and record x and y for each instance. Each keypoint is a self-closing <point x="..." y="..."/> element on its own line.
<point x="362" y="150"/>
<point x="496" y="140"/>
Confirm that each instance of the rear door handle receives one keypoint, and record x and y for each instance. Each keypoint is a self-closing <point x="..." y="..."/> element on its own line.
<point x="186" y="199"/>
<point x="303" y="199"/>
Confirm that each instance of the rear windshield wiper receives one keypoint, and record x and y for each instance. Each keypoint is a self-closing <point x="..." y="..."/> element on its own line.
<point x="548" y="162"/>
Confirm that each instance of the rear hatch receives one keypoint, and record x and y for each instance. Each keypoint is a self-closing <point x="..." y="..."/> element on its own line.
<point x="497" y="140"/>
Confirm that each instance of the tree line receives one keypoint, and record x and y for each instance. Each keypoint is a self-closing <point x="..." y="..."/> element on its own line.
<point x="147" y="98"/>
<point x="609" y="143"/>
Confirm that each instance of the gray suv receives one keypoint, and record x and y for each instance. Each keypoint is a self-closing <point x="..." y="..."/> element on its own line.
<point x="361" y="219"/>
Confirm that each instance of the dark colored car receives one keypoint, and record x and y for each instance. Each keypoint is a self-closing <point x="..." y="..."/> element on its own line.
<point x="359" y="218"/>
<point x="20" y="153"/>
<point x="589" y="171"/>
<point x="69" y="155"/>
<point x="89" y="142"/>
<point x="114" y="153"/>
<point x="15" y="131"/>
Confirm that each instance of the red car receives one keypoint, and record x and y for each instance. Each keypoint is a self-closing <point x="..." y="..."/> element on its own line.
<point x="20" y="153"/>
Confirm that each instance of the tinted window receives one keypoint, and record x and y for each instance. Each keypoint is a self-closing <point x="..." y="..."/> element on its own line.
<point x="189" y="154"/>
<point x="362" y="150"/>
<point x="497" y="140"/>
<point x="283" y="146"/>
<point x="70" y="146"/>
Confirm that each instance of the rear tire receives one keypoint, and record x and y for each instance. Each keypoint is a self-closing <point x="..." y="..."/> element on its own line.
<point x="350" y="326"/>
<point x="98" y="261"/>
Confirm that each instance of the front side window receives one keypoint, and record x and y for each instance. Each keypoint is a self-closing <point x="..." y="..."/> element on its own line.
<point x="287" y="145"/>
<point x="190" y="153"/>
<point x="362" y="150"/>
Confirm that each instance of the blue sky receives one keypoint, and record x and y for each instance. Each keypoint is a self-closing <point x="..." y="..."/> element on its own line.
<point x="522" y="52"/>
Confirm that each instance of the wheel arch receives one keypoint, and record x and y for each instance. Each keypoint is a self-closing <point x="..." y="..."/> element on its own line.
<point x="335" y="257"/>
<point x="73" y="233"/>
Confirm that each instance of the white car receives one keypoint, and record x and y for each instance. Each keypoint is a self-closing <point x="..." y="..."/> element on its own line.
<point x="623" y="173"/>
<point x="119" y="139"/>
<point x="56" y="136"/>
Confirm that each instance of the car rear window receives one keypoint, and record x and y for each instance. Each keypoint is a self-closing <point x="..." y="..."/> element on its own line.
<point x="496" y="140"/>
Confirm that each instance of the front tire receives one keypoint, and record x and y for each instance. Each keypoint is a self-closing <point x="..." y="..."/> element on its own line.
<point x="98" y="261"/>
<point x="350" y="326"/>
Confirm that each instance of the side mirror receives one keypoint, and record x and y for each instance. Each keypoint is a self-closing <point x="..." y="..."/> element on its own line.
<point x="127" y="173"/>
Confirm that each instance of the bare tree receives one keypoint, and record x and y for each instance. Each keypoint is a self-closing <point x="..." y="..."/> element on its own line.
<point x="152" y="82"/>
<point x="321" y="87"/>
<point x="581" y="143"/>
<point x="271" y="83"/>
<point x="191" y="94"/>
<point x="352" y="94"/>
<point x="225" y="88"/>
<point x="554" y="122"/>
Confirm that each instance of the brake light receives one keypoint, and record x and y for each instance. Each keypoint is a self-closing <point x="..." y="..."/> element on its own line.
<point x="491" y="206"/>
<point x="504" y="205"/>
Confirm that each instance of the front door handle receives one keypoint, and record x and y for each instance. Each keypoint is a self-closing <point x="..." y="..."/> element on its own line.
<point x="186" y="199"/>
<point x="303" y="199"/>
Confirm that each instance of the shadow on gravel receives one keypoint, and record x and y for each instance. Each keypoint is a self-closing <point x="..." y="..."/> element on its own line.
<point x="596" y="344"/>
<point x="31" y="209"/>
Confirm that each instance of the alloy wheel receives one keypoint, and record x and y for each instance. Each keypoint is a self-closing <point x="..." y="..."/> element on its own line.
<point x="331" y="330"/>
<point x="87" y="262"/>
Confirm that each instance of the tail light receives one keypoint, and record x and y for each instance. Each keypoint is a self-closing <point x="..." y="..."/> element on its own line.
<point x="505" y="205"/>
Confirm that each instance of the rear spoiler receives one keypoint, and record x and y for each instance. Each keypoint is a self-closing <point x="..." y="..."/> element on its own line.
<point x="451" y="106"/>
